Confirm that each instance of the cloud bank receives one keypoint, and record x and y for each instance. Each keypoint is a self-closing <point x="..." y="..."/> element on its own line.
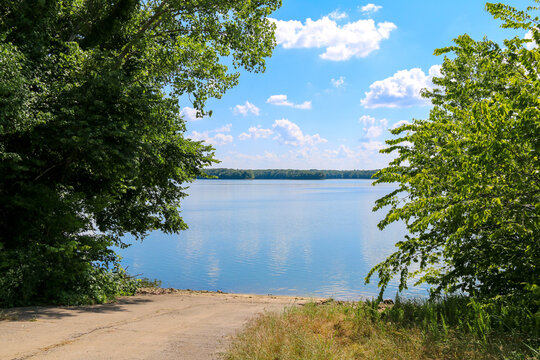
<point x="246" y="109"/>
<point x="370" y="8"/>
<point x="189" y="114"/>
<point x="289" y="133"/>
<point x="256" y="133"/>
<point x="373" y="128"/>
<point x="401" y="90"/>
<point x="281" y="100"/>
<point x="531" y="45"/>
<point x="352" y="40"/>
<point x="218" y="139"/>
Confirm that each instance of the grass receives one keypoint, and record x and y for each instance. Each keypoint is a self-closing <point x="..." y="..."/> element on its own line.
<point x="412" y="329"/>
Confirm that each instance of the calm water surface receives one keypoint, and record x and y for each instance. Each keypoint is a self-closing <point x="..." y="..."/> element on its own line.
<point x="287" y="237"/>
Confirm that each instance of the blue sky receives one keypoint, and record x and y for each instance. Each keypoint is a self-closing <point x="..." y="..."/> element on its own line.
<point x="343" y="73"/>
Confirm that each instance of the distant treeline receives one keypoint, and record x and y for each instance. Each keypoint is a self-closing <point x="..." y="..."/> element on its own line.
<point x="288" y="174"/>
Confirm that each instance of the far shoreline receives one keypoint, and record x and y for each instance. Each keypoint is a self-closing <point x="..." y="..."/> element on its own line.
<point x="286" y="174"/>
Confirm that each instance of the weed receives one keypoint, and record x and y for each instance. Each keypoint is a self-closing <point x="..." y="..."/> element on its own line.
<point x="450" y="328"/>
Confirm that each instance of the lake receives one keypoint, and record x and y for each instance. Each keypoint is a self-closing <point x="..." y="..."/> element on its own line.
<point x="282" y="237"/>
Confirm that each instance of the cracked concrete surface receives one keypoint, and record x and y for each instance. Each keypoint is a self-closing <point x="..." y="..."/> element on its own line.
<point x="182" y="325"/>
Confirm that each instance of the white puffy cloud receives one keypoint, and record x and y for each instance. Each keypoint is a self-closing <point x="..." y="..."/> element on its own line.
<point x="367" y="120"/>
<point x="373" y="128"/>
<point x="401" y="90"/>
<point x="355" y="39"/>
<point x="281" y="100"/>
<point x="373" y="132"/>
<point x="221" y="139"/>
<point x="372" y="146"/>
<point x="400" y="123"/>
<point x="370" y="8"/>
<point x="435" y="71"/>
<point x="338" y="15"/>
<point x="337" y="82"/>
<point x="246" y="109"/>
<point x="218" y="139"/>
<point x="303" y="153"/>
<point x="364" y="156"/>
<point x="289" y="133"/>
<point x="342" y="152"/>
<point x="306" y="105"/>
<point x="256" y="133"/>
<point x="531" y="45"/>
<point x="238" y="160"/>
<point x="345" y="157"/>
<point x="224" y="128"/>
<point x="267" y="156"/>
<point x="190" y="114"/>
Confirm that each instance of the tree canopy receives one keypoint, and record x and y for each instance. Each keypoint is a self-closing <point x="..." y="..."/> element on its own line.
<point x="92" y="145"/>
<point x="469" y="176"/>
<point x="289" y="174"/>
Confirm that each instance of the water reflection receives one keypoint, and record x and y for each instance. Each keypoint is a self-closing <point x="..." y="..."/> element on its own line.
<point x="191" y="245"/>
<point x="213" y="270"/>
<point x="248" y="246"/>
<point x="317" y="238"/>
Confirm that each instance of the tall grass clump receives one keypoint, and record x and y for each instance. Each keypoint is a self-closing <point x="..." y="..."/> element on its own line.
<point x="449" y="328"/>
<point x="468" y="316"/>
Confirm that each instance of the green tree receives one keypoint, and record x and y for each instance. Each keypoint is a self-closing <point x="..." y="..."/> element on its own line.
<point x="92" y="146"/>
<point x="468" y="177"/>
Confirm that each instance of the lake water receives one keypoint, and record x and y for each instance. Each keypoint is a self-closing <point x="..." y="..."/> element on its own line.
<point x="286" y="237"/>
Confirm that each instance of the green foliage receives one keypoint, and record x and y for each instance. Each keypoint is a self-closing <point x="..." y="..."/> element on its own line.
<point x="448" y="328"/>
<point x="465" y="315"/>
<point x="86" y="284"/>
<point x="148" y="283"/>
<point x="289" y="174"/>
<point x="469" y="175"/>
<point x="350" y="174"/>
<point x="91" y="145"/>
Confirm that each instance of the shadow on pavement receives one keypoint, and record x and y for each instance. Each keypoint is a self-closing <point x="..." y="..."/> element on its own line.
<point x="33" y="313"/>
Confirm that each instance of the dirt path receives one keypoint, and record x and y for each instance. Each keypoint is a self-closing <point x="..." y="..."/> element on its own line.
<point x="182" y="325"/>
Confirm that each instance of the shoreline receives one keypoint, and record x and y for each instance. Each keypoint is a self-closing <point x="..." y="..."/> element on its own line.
<point x="167" y="291"/>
